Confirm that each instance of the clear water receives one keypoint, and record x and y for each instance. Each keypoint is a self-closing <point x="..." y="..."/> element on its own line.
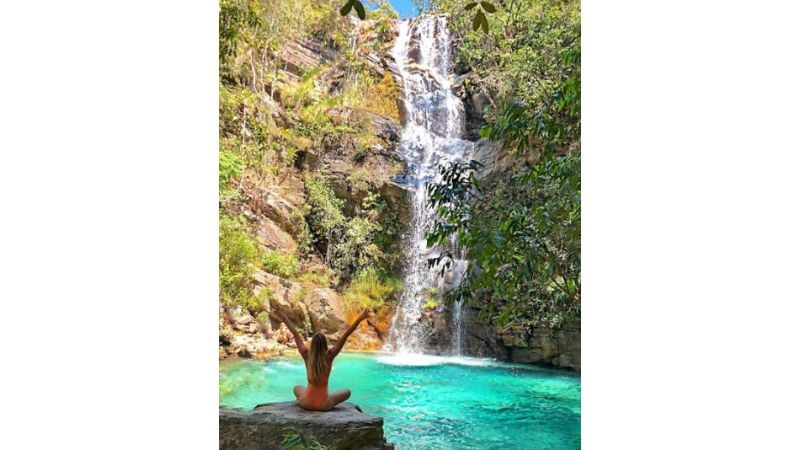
<point x="432" y="402"/>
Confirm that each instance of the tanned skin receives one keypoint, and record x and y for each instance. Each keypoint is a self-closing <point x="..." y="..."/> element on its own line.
<point x="315" y="397"/>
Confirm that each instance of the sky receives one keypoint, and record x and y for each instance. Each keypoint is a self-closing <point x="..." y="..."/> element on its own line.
<point x="403" y="7"/>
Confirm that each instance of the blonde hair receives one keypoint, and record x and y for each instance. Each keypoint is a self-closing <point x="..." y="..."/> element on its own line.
<point x="318" y="363"/>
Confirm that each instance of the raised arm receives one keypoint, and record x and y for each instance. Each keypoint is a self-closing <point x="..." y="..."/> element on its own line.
<point x="301" y="345"/>
<point x="342" y="340"/>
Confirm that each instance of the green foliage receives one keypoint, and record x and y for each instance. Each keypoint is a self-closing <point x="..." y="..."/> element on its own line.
<point x="238" y="257"/>
<point x="347" y="243"/>
<point x="357" y="251"/>
<point x="230" y="166"/>
<point x="354" y="4"/>
<point x="430" y="304"/>
<point x="358" y="179"/>
<point x="370" y="289"/>
<point x="523" y="236"/>
<point x="280" y="263"/>
<point x="303" y="93"/>
<point x="319" y="277"/>
<point x="325" y="22"/>
<point x="360" y="154"/>
<point x="324" y="216"/>
<point x="235" y="16"/>
<point x="521" y="228"/>
<point x="300" y="297"/>
<point x="292" y="440"/>
<point x="530" y="49"/>
<point x="480" y="21"/>
<point x="267" y="121"/>
<point x="245" y="127"/>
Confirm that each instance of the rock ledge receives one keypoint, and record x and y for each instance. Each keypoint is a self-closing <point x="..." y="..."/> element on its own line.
<point x="263" y="427"/>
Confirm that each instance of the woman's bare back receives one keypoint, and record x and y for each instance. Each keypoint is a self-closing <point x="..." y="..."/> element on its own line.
<point x="315" y="396"/>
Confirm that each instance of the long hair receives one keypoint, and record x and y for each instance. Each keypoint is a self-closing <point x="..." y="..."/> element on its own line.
<point x="318" y="363"/>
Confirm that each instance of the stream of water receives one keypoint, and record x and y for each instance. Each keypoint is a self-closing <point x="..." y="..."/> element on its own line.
<point x="432" y="136"/>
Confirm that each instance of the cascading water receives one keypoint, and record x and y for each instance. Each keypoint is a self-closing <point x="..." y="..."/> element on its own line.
<point x="434" y="125"/>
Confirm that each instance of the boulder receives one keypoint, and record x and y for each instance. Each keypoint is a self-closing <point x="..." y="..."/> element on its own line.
<point x="274" y="237"/>
<point x="240" y="335"/>
<point x="303" y="303"/>
<point x="492" y="156"/>
<point x="345" y="427"/>
<point x="250" y="345"/>
<point x="286" y="296"/>
<point x="324" y="310"/>
<point x="273" y="206"/>
<point x="299" y="55"/>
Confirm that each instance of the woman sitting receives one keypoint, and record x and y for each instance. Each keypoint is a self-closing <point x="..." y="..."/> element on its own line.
<point x="319" y="360"/>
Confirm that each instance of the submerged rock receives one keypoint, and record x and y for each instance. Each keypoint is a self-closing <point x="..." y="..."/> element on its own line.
<point x="263" y="427"/>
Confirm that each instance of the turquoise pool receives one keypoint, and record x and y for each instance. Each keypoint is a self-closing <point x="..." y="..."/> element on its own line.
<point x="431" y="402"/>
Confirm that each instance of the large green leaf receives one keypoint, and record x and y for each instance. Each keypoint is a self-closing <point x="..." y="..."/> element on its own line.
<point x="346" y="8"/>
<point x="476" y="22"/>
<point x="488" y="7"/>
<point x="360" y="9"/>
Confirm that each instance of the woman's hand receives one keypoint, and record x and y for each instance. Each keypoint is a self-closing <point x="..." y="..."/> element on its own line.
<point x="340" y="343"/>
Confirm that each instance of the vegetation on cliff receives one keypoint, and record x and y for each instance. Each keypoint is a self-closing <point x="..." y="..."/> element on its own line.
<point x="521" y="229"/>
<point x="305" y="96"/>
<point x="297" y="91"/>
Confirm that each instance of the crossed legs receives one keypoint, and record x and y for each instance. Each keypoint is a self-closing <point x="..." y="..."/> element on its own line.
<point x="337" y="397"/>
<point x="334" y="398"/>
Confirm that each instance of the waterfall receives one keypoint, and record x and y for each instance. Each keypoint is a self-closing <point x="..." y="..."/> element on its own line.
<point x="434" y="126"/>
<point x="458" y="328"/>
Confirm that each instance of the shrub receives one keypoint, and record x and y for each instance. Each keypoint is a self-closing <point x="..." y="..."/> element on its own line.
<point x="292" y="440"/>
<point x="230" y="166"/>
<point x="282" y="264"/>
<point x="370" y="289"/>
<point x="381" y="97"/>
<point x="318" y="277"/>
<point x="238" y="255"/>
<point x="356" y="251"/>
<point x="358" y="180"/>
<point x="326" y="222"/>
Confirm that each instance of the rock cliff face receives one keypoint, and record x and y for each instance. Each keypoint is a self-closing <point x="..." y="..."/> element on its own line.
<point x="273" y="204"/>
<point x="274" y="207"/>
<point x="263" y="428"/>
<point x="559" y="347"/>
<point x="309" y="307"/>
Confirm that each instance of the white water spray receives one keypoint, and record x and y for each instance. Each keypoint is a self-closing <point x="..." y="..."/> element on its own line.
<point x="432" y="136"/>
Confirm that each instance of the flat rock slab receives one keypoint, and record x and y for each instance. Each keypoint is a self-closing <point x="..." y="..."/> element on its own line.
<point x="263" y="427"/>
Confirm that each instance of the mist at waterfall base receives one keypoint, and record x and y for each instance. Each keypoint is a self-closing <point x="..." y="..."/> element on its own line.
<point x="434" y="402"/>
